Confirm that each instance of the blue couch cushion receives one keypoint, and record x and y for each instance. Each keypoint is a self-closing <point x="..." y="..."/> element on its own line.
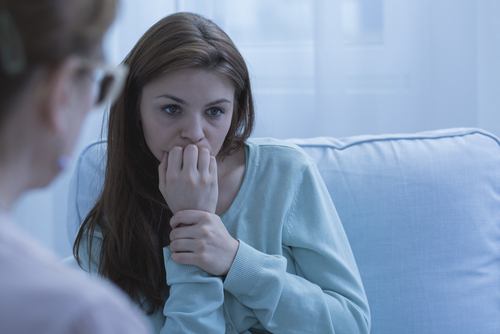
<point x="422" y="213"/>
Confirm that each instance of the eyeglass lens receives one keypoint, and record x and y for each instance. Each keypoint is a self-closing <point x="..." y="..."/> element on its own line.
<point x="105" y="88"/>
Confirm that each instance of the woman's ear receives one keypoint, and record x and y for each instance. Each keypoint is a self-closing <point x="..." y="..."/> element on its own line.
<point x="55" y="92"/>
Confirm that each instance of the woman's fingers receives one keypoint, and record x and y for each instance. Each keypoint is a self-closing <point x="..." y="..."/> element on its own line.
<point x="196" y="160"/>
<point x="212" y="169"/>
<point x="186" y="218"/>
<point x="203" y="161"/>
<point x="200" y="238"/>
<point x="182" y="245"/>
<point x="185" y="229"/>
<point x="190" y="159"/>
<point x="190" y="181"/>
<point x="174" y="161"/>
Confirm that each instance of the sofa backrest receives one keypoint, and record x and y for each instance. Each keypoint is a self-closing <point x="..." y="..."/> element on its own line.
<point x="422" y="214"/>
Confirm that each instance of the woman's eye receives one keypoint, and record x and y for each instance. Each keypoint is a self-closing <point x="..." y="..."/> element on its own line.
<point x="215" y="111"/>
<point x="171" y="109"/>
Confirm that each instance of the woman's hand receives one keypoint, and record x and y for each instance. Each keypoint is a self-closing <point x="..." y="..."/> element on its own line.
<point x="188" y="179"/>
<point x="200" y="238"/>
<point x="188" y="182"/>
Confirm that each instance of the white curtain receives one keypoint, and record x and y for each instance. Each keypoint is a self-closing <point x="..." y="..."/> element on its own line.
<point x="328" y="68"/>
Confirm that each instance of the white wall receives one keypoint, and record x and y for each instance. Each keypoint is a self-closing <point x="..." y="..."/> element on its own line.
<point x="328" y="68"/>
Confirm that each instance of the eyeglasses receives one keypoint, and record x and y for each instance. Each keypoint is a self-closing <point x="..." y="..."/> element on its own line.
<point x="107" y="82"/>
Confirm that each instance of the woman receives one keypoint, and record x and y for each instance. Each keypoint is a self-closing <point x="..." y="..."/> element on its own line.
<point x="184" y="185"/>
<point x="50" y="53"/>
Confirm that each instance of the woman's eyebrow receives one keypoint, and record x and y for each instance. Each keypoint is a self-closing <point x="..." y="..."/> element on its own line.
<point x="172" y="97"/>
<point x="181" y="101"/>
<point x="217" y="102"/>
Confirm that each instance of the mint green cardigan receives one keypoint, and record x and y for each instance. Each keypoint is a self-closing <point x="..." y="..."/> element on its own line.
<point x="294" y="271"/>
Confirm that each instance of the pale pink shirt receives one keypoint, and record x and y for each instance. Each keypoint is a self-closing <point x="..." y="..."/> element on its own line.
<point x="40" y="295"/>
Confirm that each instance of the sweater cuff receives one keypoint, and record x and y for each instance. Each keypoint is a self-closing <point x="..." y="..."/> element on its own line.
<point x="176" y="271"/>
<point x="245" y="270"/>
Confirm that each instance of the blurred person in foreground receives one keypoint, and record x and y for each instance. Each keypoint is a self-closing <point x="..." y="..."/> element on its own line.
<point x="51" y="74"/>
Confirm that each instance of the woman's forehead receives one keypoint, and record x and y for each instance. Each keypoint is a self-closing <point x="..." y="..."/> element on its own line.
<point x="191" y="83"/>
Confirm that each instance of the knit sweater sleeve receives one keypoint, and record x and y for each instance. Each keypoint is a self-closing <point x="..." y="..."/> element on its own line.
<point x="195" y="301"/>
<point x="326" y="294"/>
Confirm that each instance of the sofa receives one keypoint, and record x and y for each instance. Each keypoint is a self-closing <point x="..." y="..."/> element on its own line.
<point x="422" y="214"/>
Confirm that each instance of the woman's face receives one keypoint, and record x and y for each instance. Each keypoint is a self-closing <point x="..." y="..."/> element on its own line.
<point x="187" y="106"/>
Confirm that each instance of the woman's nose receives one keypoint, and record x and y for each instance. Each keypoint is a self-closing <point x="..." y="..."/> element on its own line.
<point x="193" y="129"/>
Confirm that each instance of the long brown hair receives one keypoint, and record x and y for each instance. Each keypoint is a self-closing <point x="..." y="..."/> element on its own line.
<point x="35" y="33"/>
<point x="130" y="210"/>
